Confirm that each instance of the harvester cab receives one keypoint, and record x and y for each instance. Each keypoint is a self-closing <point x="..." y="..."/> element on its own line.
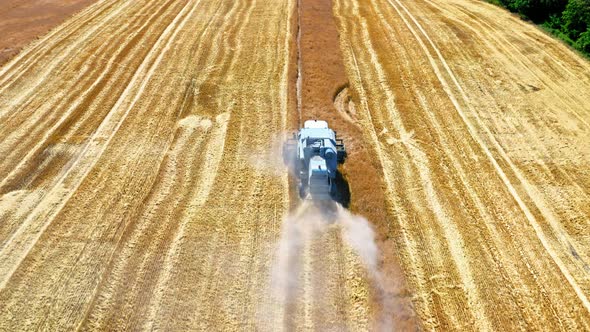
<point x="314" y="154"/>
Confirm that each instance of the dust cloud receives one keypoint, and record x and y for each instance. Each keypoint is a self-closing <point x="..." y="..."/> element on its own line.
<point x="308" y="222"/>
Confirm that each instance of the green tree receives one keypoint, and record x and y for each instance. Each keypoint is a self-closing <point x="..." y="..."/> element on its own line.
<point x="583" y="43"/>
<point x="567" y="19"/>
<point x="536" y="10"/>
<point x="576" y="18"/>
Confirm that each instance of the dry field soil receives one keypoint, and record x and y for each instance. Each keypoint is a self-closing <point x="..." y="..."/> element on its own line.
<point x="142" y="188"/>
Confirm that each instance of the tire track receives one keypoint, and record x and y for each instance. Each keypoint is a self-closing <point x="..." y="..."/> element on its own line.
<point x="212" y="161"/>
<point x="187" y="103"/>
<point x="420" y="169"/>
<point x="229" y="243"/>
<point x="34" y="49"/>
<point x="528" y="65"/>
<point x="94" y="149"/>
<point x="98" y="253"/>
<point x="60" y="129"/>
<point x="109" y="268"/>
<point x="41" y="76"/>
<point x="462" y="188"/>
<point x="556" y="131"/>
<point x="528" y="189"/>
<point x="516" y="289"/>
<point x="84" y="94"/>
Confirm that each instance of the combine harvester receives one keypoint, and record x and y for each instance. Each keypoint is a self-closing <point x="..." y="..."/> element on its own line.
<point x="314" y="154"/>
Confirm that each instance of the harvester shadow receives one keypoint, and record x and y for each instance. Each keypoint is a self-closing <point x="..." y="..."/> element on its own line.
<point x="341" y="192"/>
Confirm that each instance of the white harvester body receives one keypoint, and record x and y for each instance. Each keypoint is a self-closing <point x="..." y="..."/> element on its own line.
<point x="318" y="153"/>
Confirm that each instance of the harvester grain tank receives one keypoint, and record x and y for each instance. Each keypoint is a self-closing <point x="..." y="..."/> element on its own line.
<point x="314" y="154"/>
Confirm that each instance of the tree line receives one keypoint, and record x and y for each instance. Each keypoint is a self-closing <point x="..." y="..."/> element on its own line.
<point x="568" y="19"/>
